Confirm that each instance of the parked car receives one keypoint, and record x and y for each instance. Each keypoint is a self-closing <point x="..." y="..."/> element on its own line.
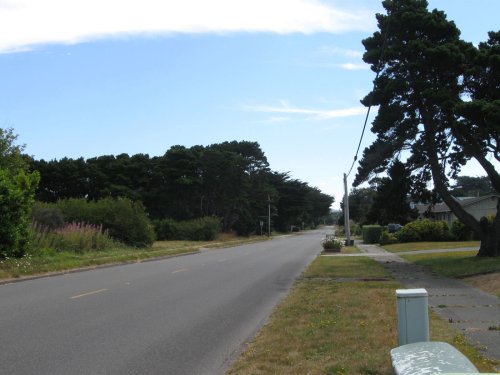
<point x="393" y="227"/>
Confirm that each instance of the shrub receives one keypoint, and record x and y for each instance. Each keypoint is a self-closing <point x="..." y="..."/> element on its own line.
<point x="203" y="229"/>
<point x="371" y="233"/>
<point x="47" y="217"/>
<point x="17" y="190"/>
<point x="16" y="199"/>
<point x="126" y="221"/>
<point x="332" y="244"/>
<point x="424" y="230"/>
<point x="460" y="231"/>
<point x="245" y="225"/>
<point x="387" y="238"/>
<point x="165" y="229"/>
<point x="356" y="229"/>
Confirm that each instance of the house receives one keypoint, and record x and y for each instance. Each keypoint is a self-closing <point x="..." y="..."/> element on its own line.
<point x="476" y="206"/>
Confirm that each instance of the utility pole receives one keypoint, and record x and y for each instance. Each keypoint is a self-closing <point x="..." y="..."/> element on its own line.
<point x="268" y="216"/>
<point x="347" y="225"/>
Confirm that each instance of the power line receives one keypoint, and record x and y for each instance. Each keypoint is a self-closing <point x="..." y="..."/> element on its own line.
<point x="364" y="127"/>
<point x="370" y="103"/>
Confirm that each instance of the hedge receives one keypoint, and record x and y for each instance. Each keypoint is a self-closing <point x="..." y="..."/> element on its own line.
<point x="203" y="229"/>
<point x="371" y="233"/>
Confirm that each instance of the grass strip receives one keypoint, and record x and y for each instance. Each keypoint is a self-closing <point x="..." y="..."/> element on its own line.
<point x="416" y="246"/>
<point x="332" y="323"/>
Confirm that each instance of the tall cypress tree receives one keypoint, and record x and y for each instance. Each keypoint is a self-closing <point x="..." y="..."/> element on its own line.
<point x="422" y="66"/>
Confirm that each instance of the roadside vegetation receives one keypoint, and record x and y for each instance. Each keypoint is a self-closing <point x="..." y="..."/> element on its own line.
<point x="47" y="260"/>
<point x="340" y="318"/>
<point x="67" y="213"/>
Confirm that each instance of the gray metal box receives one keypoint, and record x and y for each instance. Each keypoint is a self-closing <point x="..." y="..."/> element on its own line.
<point x="426" y="358"/>
<point x="413" y="315"/>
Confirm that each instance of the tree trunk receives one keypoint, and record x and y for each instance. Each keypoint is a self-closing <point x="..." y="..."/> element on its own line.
<point x="490" y="237"/>
<point x="489" y="232"/>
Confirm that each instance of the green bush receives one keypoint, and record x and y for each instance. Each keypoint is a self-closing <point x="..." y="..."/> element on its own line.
<point x="203" y="229"/>
<point x="165" y="229"/>
<point x="371" y="233"/>
<point x="356" y="229"/>
<point x="460" y="231"/>
<point x="424" y="230"/>
<point x="16" y="199"/>
<point x="245" y="225"/>
<point x="387" y="238"/>
<point x="47" y="217"/>
<point x="125" y="220"/>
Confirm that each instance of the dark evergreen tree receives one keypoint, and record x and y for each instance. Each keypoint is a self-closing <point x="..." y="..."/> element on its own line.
<point x="467" y="186"/>
<point x="230" y="180"/>
<point x="391" y="203"/>
<point x="360" y="203"/>
<point x="424" y="71"/>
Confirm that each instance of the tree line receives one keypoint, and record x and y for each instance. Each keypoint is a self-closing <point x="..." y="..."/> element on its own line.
<point x="230" y="180"/>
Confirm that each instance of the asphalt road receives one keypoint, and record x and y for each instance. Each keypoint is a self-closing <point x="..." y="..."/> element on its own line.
<point x="184" y="315"/>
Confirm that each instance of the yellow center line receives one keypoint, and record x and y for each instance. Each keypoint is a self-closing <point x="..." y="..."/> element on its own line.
<point x="88" y="293"/>
<point x="180" y="270"/>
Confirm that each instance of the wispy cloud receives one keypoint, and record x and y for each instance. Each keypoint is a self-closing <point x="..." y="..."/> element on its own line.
<point x="351" y="57"/>
<point x="352" y="66"/>
<point x="27" y="23"/>
<point x="337" y="51"/>
<point x="345" y="66"/>
<point x="311" y="114"/>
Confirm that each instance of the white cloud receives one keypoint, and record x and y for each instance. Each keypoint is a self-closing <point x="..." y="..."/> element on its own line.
<point x="336" y="51"/>
<point x="278" y="119"/>
<point x="345" y="66"/>
<point x="313" y="114"/>
<point x="352" y="66"/>
<point x="27" y="23"/>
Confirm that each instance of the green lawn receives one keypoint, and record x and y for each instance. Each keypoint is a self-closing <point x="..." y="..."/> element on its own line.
<point x="332" y="322"/>
<point x="456" y="264"/>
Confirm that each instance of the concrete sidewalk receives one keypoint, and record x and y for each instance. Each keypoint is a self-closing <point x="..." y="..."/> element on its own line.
<point x="468" y="309"/>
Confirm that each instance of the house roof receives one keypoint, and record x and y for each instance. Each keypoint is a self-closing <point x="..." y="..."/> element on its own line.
<point x="464" y="202"/>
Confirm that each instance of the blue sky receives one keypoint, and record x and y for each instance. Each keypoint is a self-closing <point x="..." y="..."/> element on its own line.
<point x="89" y="78"/>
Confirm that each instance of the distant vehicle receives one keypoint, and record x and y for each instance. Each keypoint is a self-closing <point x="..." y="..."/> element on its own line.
<point x="393" y="227"/>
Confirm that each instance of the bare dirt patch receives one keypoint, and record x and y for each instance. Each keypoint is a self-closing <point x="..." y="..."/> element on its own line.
<point x="489" y="283"/>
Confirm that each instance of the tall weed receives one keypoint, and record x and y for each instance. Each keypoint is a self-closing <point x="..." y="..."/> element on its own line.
<point x="74" y="237"/>
<point x="126" y="221"/>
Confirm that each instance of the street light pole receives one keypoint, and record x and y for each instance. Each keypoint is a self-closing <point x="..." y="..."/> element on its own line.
<point x="268" y="216"/>
<point x="347" y="225"/>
